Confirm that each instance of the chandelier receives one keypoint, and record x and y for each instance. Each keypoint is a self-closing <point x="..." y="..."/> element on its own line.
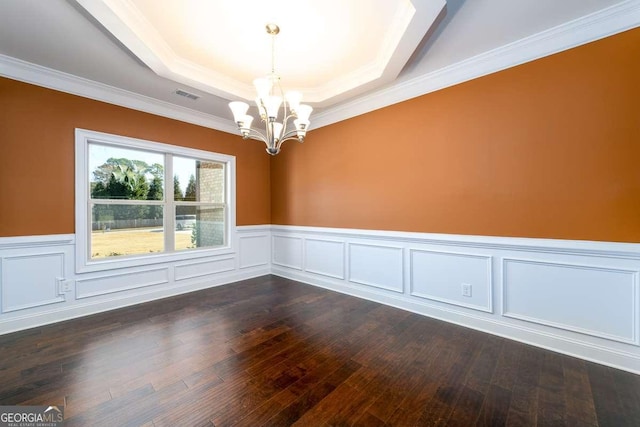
<point x="270" y="99"/>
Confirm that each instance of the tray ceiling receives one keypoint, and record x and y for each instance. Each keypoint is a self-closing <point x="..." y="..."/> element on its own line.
<point x="221" y="46"/>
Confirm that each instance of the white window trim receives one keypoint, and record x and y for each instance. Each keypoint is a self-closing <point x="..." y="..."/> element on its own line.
<point x="84" y="263"/>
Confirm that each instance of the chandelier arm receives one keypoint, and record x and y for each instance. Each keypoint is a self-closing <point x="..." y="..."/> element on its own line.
<point x="258" y="136"/>
<point x="283" y="140"/>
<point x="288" y="123"/>
<point x="284" y="132"/>
<point x="292" y="134"/>
<point x="289" y="117"/>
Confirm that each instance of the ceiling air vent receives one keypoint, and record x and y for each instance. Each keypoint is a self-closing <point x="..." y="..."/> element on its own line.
<point x="186" y="94"/>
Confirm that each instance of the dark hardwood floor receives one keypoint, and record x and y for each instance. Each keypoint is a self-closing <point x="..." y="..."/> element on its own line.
<point x="274" y="352"/>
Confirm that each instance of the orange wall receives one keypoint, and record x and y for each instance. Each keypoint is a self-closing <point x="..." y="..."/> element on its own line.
<point x="37" y="156"/>
<point x="547" y="149"/>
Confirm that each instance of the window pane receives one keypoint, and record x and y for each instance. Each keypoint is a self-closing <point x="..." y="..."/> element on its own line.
<point x="198" y="180"/>
<point x="125" y="174"/>
<point x="199" y="227"/>
<point x="119" y="230"/>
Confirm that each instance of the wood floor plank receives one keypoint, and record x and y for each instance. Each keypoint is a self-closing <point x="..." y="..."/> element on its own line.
<point x="467" y="408"/>
<point x="412" y="408"/>
<point x="370" y="420"/>
<point x="256" y="336"/>
<point x="440" y="407"/>
<point x="551" y="394"/>
<point x="400" y="382"/>
<point x="309" y="401"/>
<point x="335" y="408"/>
<point x="606" y="398"/>
<point x="578" y="398"/>
<point x="274" y="352"/>
<point x="482" y="370"/>
<point x="506" y="368"/>
<point x="495" y="407"/>
<point x="281" y="401"/>
<point x="101" y="414"/>
<point x="523" y="410"/>
<point x="82" y="400"/>
<point x="628" y="391"/>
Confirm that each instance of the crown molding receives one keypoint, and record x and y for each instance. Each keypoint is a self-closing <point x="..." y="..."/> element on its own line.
<point x="598" y="25"/>
<point x="27" y="72"/>
<point x="606" y="22"/>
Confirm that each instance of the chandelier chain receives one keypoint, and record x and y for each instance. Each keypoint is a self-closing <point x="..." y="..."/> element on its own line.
<point x="273" y="54"/>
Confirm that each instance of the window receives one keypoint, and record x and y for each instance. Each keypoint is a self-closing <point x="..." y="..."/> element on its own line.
<point x="139" y="202"/>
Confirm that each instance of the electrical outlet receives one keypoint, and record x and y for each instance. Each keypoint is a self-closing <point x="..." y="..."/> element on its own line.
<point x="66" y="286"/>
<point x="466" y="290"/>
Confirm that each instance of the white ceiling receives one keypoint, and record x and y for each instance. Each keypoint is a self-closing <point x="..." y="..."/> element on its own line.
<point x="221" y="47"/>
<point x="66" y="47"/>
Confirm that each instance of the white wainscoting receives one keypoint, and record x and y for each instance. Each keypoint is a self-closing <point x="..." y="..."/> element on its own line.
<point x="204" y="267"/>
<point x="255" y="250"/>
<point x="575" y="297"/>
<point x="439" y="276"/>
<point x="376" y="265"/>
<point x="588" y="299"/>
<point x="39" y="283"/>
<point x="325" y="257"/>
<point x="125" y="280"/>
<point x="37" y="276"/>
<point x="287" y="252"/>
